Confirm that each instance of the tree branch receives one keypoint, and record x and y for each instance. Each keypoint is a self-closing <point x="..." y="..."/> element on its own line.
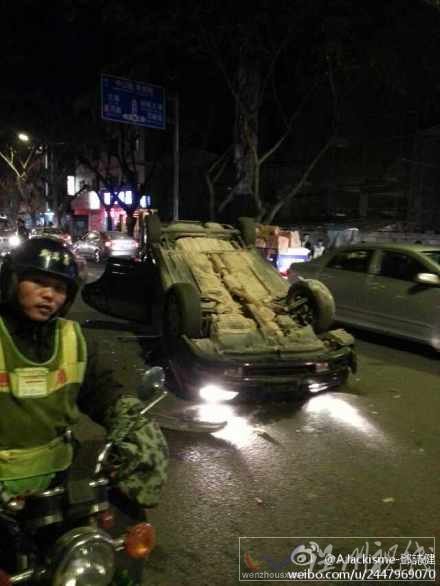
<point x="290" y="194"/>
<point x="290" y="123"/>
<point x="10" y="164"/>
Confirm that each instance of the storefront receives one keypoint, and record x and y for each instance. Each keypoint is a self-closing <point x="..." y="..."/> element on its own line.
<point x="88" y="213"/>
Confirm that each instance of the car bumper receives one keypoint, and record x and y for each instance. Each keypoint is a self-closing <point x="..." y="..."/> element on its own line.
<point x="122" y="253"/>
<point x="263" y="377"/>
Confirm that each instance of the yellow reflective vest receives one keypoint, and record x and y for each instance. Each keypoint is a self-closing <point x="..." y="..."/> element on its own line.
<point x="38" y="402"/>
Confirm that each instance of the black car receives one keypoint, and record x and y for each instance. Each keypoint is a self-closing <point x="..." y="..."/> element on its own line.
<point x="229" y="321"/>
<point x="51" y="232"/>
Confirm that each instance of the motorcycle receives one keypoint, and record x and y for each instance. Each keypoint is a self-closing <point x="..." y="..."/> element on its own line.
<point x="63" y="535"/>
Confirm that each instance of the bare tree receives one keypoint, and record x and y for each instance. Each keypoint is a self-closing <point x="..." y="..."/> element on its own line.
<point x="251" y="76"/>
<point x="249" y="161"/>
<point x="116" y="170"/>
<point x="26" y="168"/>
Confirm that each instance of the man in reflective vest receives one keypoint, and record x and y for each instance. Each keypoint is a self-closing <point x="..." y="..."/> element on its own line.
<point x="49" y="372"/>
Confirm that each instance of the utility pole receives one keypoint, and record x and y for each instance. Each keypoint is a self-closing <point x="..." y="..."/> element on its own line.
<point x="176" y="158"/>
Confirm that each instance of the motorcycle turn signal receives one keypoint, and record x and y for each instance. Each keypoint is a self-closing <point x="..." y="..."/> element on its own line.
<point x="140" y="540"/>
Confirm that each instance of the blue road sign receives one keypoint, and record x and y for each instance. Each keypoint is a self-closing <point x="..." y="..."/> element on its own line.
<point x="132" y="102"/>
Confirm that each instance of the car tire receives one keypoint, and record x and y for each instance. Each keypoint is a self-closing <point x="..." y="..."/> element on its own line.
<point x="154" y="228"/>
<point x="313" y="304"/>
<point x="248" y="230"/>
<point x="182" y="312"/>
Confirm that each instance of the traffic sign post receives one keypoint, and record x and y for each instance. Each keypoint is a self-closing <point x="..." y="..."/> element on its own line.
<point x="132" y="102"/>
<point x="141" y="104"/>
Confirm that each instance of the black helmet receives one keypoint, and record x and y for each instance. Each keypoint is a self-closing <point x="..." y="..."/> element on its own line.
<point x="44" y="255"/>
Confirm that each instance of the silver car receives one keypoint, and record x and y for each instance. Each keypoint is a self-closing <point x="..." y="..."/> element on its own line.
<point x="100" y="246"/>
<point x="388" y="288"/>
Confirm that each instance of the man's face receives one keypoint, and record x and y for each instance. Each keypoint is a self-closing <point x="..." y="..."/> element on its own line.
<point x="41" y="296"/>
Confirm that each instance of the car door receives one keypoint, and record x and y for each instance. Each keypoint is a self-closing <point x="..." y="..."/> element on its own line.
<point x="94" y="243"/>
<point x="80" y="245"/>
<point x="396" y="303"/>
<point x="127" y="289"/>
<point x="345" y="273"/>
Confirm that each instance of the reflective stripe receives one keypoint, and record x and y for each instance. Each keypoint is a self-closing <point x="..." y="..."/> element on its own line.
<point x="4" y="381"/>
<point x="52" y="457"/>
<point x="57" y="379"/>
<point x="71" y="371"/>
<point x="69" y="341"/>
<point x="2" y="359"/>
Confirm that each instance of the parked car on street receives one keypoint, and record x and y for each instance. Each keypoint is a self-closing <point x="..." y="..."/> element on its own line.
<point x="100" y="246"/>
<point x="384" y="287"/>
<point x="230" y="322"/>
<point x="51" y="232"/>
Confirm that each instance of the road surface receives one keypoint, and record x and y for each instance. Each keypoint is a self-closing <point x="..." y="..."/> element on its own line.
<point x="363" y="461"/>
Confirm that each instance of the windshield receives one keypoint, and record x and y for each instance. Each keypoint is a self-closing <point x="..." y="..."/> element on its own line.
<point x="433" y="255"/>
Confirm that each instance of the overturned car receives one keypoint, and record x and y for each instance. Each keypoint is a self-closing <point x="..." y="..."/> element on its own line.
<point x="230" y="323"/>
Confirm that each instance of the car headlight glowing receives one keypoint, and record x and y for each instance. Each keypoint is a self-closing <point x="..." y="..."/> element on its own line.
<point x="317" y="387"/>
<point x="14" y="241"/>
<point x="84" y="557"/>
<point x="215" y="394"/>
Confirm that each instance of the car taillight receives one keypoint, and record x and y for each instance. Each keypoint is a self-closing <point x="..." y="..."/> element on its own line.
<point x="140" y="541"/>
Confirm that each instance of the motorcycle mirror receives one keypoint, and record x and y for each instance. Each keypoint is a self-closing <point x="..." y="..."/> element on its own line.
<point x="153" y="379"/>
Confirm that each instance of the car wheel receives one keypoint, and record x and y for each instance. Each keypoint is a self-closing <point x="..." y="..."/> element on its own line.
<point x="312" y="304"/>
<point x="97" y="256"/>
<point x="182" y="312"/>
<point x="154" y="228"/>
<point x="248" y="230"/>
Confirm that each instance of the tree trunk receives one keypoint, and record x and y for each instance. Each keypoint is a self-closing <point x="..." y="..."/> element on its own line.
<point x="33" y="215"/>
<point x="130" y="223"/>
<point x="246" y="128"/>
<point x="109" y="220"/>
<point x="211" y="195"/>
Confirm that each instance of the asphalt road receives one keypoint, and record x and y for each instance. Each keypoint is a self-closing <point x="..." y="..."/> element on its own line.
<point x="363" y="461"/>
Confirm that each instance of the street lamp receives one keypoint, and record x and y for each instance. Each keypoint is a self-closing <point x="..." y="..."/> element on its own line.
<point x="23" y="137"/>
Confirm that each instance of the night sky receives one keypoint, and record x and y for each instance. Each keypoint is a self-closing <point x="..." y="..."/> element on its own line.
<point x="384" y="57"/>
<point x="53" y="53"/>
